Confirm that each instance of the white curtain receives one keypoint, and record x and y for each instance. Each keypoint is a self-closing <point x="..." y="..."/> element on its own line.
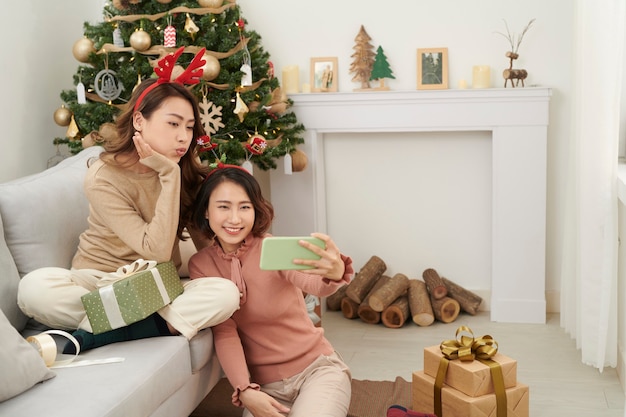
<point x="589" y="267"/>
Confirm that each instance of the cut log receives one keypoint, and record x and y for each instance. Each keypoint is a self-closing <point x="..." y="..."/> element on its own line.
<point x="397" y="313"/>
<point x="419" y="303"/>
<point x="387" y="294"/>
<point x="349" y="308"/>
<point x="333" y="301"/>
<point x="365" y="279"/>
<point x="445" y="309"/>
<point x="468" y="300"/>
<point x="434" y="284"/>
<point x="365" y="310"/>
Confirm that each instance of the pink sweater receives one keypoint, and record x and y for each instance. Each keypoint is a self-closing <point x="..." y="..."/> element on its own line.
<point x="271" y="336"/>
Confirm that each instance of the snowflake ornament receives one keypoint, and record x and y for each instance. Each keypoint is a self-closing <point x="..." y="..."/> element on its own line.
<point x="210" y="116"/>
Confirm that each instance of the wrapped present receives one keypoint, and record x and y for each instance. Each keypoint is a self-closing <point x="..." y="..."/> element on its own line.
<point x="467" y="348"/>
<point x="472" y="378"/>
<point x="131" y="294"/>
<point x="457" y="404"/>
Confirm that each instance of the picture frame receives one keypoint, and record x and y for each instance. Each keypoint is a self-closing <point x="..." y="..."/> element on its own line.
<point x="432" y="68"/>
<point x="324" y="74"/>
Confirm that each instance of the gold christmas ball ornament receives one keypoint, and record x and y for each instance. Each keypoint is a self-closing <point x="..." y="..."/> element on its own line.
<point x="82" y="48"/>
<point x="211" y="69"/>
<point x="140" y="40"/>
<point x="299" y="160"/>
<point x="63" y="116"/>
<point x="210" y="3"/>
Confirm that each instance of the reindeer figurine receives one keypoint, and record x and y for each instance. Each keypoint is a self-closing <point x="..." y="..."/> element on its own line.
<point x="514" y="75"/>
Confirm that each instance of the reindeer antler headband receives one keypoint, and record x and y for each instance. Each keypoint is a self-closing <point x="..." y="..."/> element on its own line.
<point x="165" y="67"/>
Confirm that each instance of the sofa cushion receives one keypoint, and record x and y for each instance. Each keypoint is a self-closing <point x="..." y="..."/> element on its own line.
<point x="44" y="213"/>
<point x="9" y="281"/>
<point x="21" y="365"/>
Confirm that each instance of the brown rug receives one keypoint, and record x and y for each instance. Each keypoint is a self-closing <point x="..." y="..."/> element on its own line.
<point x="369" y="399"/>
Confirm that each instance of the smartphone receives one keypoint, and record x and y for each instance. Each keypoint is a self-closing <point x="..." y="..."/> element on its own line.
<point x="278" y="252"/>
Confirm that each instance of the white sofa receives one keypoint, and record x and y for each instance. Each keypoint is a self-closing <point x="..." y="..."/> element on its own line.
<point x="42" y="217"/>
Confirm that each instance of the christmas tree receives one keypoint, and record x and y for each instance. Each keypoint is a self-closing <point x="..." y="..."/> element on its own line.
<point x="381" y="69"/>
<point x="363" y="61"/>
<point x="243" y="109"/>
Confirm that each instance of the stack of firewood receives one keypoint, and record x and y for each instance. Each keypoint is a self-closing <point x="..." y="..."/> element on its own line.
<point x="375" y="297"/>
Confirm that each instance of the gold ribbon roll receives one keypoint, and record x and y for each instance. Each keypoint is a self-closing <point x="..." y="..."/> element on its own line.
<point x="47" y="347"/>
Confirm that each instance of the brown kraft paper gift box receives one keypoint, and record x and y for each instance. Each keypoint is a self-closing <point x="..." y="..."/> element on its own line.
<point x="456" y="404"/>
<point x="472" y="378"/>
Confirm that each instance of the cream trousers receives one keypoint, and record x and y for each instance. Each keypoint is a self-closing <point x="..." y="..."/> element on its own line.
<point x="323" y="389"/>
<point x="52" y="297"/>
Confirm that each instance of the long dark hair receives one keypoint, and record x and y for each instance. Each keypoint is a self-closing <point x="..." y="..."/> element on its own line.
<point x="263" y="210"/>
<point x="192" y="171"/>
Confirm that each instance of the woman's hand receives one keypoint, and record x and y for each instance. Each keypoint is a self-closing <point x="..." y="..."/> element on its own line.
<point x="261" y="404"/>
<point x="143" y="149"/>
<point x="330" y="265"/>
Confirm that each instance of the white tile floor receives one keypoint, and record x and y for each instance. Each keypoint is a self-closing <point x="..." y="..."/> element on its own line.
<point x="547" y="359"/>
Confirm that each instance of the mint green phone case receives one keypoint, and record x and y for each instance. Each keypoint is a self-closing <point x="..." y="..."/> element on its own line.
<point x="278" y="252"/>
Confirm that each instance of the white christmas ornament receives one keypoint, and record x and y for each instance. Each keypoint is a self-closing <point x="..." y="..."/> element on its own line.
<point x="246" y="79"/>
<point x="117" y="38"/>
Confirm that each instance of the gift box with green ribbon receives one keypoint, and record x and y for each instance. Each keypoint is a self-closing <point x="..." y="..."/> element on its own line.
<point x="130" y="294"/>
<point x="456" y="404"/>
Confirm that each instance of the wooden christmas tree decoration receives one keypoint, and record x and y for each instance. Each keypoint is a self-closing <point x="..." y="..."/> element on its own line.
<point x="363" y="61"/>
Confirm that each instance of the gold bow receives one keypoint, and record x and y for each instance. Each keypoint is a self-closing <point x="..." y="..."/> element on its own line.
<point x="466" y="348"/>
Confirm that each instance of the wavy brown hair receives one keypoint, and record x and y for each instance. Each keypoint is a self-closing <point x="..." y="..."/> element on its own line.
<point x="263" y="210"/>
<point x="192" y="171"/>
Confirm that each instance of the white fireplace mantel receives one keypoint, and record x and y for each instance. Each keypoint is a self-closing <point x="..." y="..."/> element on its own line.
<point x="518" y="121"/>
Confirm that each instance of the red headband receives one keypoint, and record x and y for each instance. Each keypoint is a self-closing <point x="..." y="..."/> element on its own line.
<point x="164" y="69"/>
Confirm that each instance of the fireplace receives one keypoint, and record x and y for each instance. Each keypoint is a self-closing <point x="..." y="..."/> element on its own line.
<point x="514" y="122"/>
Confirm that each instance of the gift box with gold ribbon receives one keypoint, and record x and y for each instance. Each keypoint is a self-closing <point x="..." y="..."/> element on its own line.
<point x="456" y="404"/>
<point x="473" y="377"/>
<point x="469" y="366"/>
<point x="130" y="294"/>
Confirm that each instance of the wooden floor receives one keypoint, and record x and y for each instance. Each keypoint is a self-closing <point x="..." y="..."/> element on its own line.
<point x="547" y="359"/>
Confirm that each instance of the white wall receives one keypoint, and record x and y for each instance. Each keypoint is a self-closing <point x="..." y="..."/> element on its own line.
<point x="293" y="33"/>
<point x="37" y="63"/>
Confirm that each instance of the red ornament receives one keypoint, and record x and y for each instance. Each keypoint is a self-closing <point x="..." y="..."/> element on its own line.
<point x="204" y="143"/>
<point x="270" y="70"/>
<point x="256" y="145"/>
<point x="240" y="24"/>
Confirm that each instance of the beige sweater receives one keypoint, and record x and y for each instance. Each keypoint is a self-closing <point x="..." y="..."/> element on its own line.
<point x="131" y="215"/>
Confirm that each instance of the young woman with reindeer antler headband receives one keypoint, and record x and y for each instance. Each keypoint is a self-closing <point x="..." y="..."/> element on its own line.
<point x="140" y="191"/>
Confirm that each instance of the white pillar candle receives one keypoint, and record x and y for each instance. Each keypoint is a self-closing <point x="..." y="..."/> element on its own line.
<point x="481" y="76"/>
<point x="291" y="79"/>
<point x="462" y="84"/>
<point x="306" y="88"/>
